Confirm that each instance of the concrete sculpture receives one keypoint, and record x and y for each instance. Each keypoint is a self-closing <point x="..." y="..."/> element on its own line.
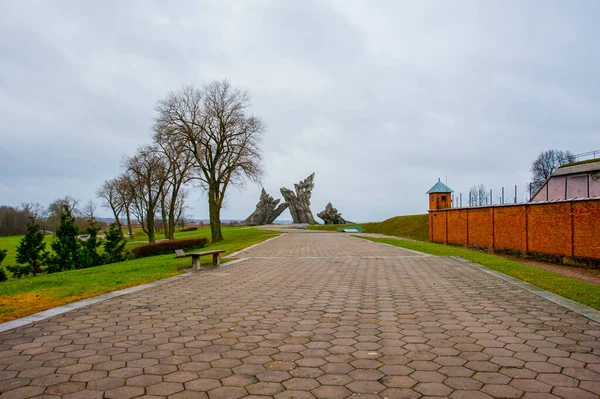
<point x="331" y="215"/>
<point x="299" y="201"/>
<point x="267" y="210"/>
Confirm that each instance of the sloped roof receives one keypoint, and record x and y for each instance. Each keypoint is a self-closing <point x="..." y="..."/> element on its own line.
<point x="439" y="187"/>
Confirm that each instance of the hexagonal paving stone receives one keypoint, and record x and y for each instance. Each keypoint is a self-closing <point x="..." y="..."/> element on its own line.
<point x="124" y="392"/>
<point x="265" y="388"/>
<point x="331" y="392"/>
<point x="301" y="384"/>
<point x="227" y="393"/>
<point x="364" y="387"/>
<point x="164" y="388"/>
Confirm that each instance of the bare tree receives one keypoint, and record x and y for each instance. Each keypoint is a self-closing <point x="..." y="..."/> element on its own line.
<point x="89" y="210"/>
<point x="147" y="177"/>
<point x="478" y="195"/>
<point x="34" y="211"/>
<point x="179" y="173"/>
<point x="214" y="126"/>
<point x="126" y="195"/>
<point x="60" y="206"/>
<point x="110" y="193"/>
<point x="546" y="163"/>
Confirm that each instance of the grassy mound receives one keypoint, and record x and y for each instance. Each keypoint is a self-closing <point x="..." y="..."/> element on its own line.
<point x="410" y="226"/>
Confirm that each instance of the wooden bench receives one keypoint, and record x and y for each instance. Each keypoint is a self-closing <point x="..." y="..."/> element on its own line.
<point x="196" y="256"/>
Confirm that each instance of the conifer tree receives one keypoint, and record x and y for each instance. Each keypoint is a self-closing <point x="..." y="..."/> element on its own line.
<point x="3" y="276"/>
<point x="114" y="244"/>
<point x="31" y="251"/>
<point x="93" y="243"/>
<point x="68" y="251"/>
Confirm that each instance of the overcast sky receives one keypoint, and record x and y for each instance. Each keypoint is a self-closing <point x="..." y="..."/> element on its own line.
<point x="379" y="98"/>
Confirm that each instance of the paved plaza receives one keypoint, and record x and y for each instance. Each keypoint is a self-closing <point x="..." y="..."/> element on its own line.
<point x="312" y="315"/>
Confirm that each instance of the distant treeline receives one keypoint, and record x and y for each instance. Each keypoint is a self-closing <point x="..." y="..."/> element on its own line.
<point x="14" y="219"/>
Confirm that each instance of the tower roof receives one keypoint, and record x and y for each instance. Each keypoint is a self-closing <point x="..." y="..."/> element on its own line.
<point x="439" y="187"/>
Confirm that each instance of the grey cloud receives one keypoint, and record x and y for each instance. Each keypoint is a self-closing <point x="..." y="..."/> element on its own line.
<point x="378" y="98"/>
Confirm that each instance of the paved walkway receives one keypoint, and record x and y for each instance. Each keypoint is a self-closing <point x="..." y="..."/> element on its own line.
<point x="312" y="315"/>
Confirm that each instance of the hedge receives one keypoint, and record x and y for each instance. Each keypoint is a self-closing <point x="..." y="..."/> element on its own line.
<point x="166" y="247"/>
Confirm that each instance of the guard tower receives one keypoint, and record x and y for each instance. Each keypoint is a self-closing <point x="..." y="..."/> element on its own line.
<point x="440" y="196"/>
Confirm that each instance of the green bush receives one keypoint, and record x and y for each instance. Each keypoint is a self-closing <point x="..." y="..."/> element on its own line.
<point x="31" y="251"/>
<point x="69" y="251"/>
<point x="166" y="247"/>
<point x="3" y="276"/>
<point x="19" y="271"/>
<point x="91" y="245"/>
<point x="114" y="245"/>
<point x="189" y="229"/>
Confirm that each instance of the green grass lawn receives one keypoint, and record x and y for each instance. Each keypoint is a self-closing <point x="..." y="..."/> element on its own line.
<point x="10" y="243"/>
<point x="30" y="295"/>
<point x="577" y="290"/>
<point x="409" y="226"/>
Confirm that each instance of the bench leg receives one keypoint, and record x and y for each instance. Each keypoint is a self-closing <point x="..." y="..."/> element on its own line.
<point x="215" y="259"/>
<point x="196" y="262"/>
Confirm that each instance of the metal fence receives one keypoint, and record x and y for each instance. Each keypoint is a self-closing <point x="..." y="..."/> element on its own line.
<point x="507" y="195"/>
<point x="584" y="156"/>
<point x="499" y="196"/>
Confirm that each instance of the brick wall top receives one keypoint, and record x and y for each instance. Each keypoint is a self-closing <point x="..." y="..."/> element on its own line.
<point x="592" y="199"/>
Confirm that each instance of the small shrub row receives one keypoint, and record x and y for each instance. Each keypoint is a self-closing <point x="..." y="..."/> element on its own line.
<point x="69" y="252"/>
<point x="19" y="271"/>
<point x="166" y="247"/>
<point x="189" y="229"/>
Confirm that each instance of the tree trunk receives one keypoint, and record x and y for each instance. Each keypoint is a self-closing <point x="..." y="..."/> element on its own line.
<point x="129" y="223"/>
<point x="116" y="218"/>
<point x="171" y="228"/>
<point x="172" y="220"/>
<point x="165" y="222"/>
<point x="150" y="227"/>
<point x="215" y="218"/>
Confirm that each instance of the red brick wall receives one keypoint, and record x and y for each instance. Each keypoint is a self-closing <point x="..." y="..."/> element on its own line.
<point x="510" y="230"/>
<point x="437" y="223"/>
<point x="458" y="233"/>
<point x="566" y="228"/>
<point x="549" y="228"/>
<point x="586" y="223"/>
<point x="480" y="227"/>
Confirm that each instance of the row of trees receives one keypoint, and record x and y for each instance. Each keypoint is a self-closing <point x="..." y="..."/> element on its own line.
<point x="202" y="137"/>
<point x="13" y="220"/>
<point x="68" y="251"/>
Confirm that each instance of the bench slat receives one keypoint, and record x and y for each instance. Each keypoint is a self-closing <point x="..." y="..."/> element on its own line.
<point x="179" y="253"/>
<point x="217" y="251"/>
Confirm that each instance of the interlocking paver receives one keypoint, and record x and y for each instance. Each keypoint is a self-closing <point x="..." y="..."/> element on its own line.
<point x="312" y="315"/>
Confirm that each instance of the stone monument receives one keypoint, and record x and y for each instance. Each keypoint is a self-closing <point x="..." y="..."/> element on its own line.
<point x="299" y="201"/>
<point x="266" y="210"/>
<point x="331" y="215"/>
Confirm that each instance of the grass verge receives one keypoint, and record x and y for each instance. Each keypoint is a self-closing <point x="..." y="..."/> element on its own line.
<point x="19" y="298"/>
<point x="410" y="226"/>
<point x="583" y="292"/>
